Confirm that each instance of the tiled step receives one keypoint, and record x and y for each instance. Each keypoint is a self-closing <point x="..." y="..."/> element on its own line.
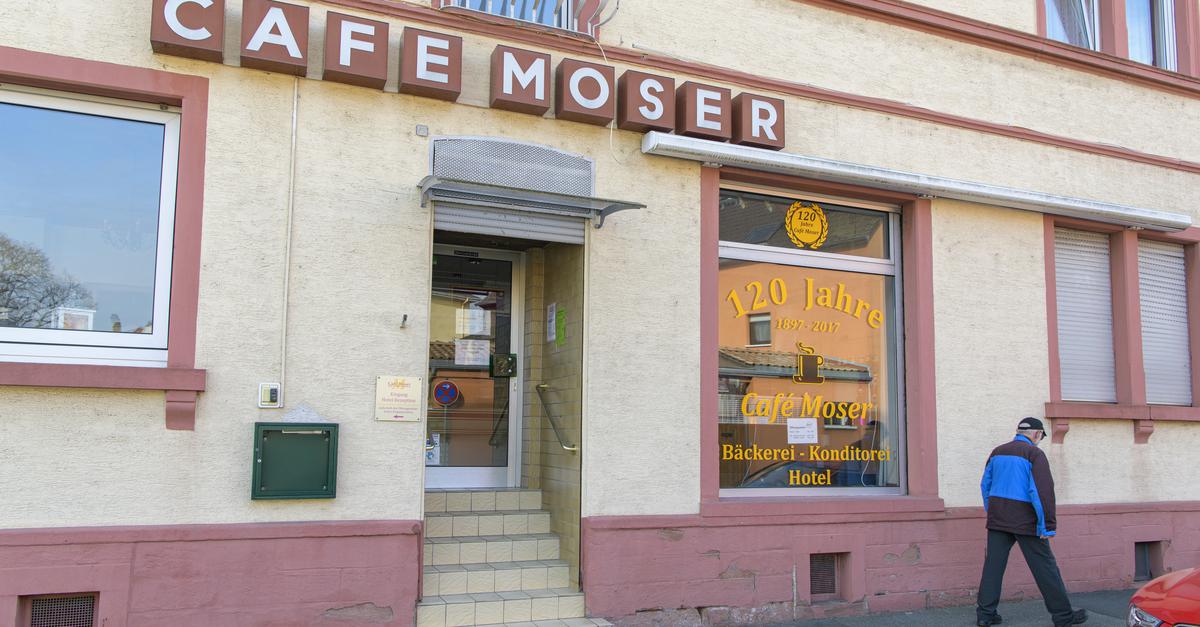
<point x="499" y="577"/>
<point x="486" y="608"/>
<point x="486" y="500"/>
<point x="491" y="549"/>
<point x="489" y="523"/>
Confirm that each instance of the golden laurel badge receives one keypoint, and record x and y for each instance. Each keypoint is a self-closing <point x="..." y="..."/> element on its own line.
<point x="806" y="225"/>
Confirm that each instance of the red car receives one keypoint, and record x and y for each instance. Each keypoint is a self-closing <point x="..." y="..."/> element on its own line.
<point x="1172" y="600"/>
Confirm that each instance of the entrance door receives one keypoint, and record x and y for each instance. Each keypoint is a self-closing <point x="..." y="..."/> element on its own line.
<point x="473" y="426"/>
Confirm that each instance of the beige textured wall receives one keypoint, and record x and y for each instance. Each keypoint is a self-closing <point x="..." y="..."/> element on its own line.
<point x="990" y="331"/>
<point x="802" y="43"/>
<point x="1016" y="14"/>
<point x="361" y="249"/>
<point x="360" y="262"/>
<point x="992" y="364"/>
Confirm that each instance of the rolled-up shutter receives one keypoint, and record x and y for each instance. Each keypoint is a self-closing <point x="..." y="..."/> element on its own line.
<point x="1162" y="285"/>
<point x="1083" y="288"/>
<point x="508" y="223"/>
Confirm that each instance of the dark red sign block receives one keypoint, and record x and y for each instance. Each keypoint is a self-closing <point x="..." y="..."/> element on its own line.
<point x="703" y="111"/>
<point x="275" y="36"/>
<point x="356" y="50"/>
<point x="430" y="64"/>
<point x="520" y="80"/>
<point x="193" y="28"/>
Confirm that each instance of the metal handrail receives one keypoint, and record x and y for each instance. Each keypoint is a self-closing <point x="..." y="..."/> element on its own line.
<point x="542" y="387"/>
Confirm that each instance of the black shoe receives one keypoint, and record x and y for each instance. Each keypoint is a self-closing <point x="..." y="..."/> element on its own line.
<point x="996" y="620"/>
<point x="1078" y="617"/>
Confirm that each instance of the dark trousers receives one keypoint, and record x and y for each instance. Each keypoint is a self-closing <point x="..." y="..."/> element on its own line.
<point x="1041" y="562"/>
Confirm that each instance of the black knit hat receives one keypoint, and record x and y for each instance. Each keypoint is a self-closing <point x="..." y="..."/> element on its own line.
<point x="1031" y="424"/>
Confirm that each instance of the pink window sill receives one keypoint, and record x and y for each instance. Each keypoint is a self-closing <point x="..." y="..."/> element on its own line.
<point x="181" y="385"/>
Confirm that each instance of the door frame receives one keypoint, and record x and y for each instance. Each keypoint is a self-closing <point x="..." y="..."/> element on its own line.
<point x="490" y="476"/>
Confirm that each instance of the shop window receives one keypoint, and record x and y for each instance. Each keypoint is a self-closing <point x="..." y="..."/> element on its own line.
<point x="1075" y="22"/>
<point x="1151" y="28"/>
<point x="760" y="330"/>
<point x="1162" y="290"/>
<point x="814" y="407"/>
<point x="87" y="207"/>
<point x="1083" y="288"/>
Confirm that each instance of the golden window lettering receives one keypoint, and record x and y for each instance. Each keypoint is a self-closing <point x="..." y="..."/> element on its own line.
<point x="814" y="404"/>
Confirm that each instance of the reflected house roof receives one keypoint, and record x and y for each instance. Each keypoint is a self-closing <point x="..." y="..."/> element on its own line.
<point x="756" y="362"/>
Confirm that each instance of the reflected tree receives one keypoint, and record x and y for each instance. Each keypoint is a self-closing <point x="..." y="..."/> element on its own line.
<point x="29" y="289"/>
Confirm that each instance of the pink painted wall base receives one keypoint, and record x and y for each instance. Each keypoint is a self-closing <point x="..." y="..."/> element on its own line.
<point x="340" y="573"/>
<point x="743" y="569"/>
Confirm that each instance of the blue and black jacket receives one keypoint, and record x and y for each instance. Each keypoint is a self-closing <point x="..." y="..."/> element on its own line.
<point x="1018" y="491"/>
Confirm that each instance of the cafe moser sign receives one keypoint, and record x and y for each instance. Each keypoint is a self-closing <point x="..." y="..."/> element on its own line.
<point x="275" y="35"/>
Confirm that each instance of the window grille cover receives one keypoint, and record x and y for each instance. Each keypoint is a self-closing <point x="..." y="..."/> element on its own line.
<point x="1083" y="289"/>
<point x="63" y="611"/>
<point x="822" y="569"/>
<point x="1162" y="286"/>
<point x="512" y="164"/>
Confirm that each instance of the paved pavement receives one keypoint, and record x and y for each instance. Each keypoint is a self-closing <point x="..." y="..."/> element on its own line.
<point x="1105" y="609"/>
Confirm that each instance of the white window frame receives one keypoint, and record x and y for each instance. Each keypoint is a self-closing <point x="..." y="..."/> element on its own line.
<point x="750" y="321"/>
<point x="564" y="17"/>
<point x="849" y="263"/>
<point x="105" y="347"/>
<point x="1093" y="29"/>
<point x="1166" y="48"/>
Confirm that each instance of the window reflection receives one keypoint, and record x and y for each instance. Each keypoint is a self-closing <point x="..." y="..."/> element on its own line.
<point x="1075" y="22"/>
<point x="749" y="218"/>
<point x="79" y="210"/>
<point x="1151" y="27"/>
<point x="814" y="404"/>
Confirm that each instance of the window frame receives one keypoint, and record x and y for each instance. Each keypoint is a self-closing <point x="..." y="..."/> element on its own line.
<point x="566" y="17"/>
<point x="1164" y="45"/>
<point x="107" y="348"/>
<point x="919" y="385"/>
<point x="178" y="379"/>
<point x="1129" y="368"/>
<point x="890" y="267"/>
<point x="750" y="321"/>
<point x="1097" y="17"/>
<point x="1113" y="34"/>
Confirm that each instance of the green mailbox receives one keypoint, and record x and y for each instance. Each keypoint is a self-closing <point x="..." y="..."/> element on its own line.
<point x="294" y="460"/>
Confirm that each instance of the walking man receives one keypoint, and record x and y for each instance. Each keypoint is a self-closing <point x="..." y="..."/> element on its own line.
<point x="1018" y="496"/>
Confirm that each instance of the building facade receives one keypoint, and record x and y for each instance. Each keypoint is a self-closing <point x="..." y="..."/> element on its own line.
<point x="462" y="312"/>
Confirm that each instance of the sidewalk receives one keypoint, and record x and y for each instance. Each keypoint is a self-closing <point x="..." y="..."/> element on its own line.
<point x="1105" y="609"/>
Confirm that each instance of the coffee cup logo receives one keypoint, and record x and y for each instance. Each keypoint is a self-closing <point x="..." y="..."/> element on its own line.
<point x="806" y="225"/>
<point x="808" y="365"/>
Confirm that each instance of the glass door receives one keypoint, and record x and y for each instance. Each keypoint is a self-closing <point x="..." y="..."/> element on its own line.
<point x="472" y="430"/>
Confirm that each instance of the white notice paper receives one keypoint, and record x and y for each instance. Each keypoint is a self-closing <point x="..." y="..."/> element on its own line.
<point x="551" y="327"/>
<point x="471" y="352"/>
<point x="802" y="430"/>
<point x="473" y="322"/>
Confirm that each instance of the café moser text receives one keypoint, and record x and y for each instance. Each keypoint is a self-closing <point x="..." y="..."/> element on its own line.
<point x="275" y="36"/>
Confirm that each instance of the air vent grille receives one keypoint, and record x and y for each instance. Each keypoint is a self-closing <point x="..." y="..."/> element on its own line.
<point x="75" y="610"/>
<point x="823" y="573"/>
